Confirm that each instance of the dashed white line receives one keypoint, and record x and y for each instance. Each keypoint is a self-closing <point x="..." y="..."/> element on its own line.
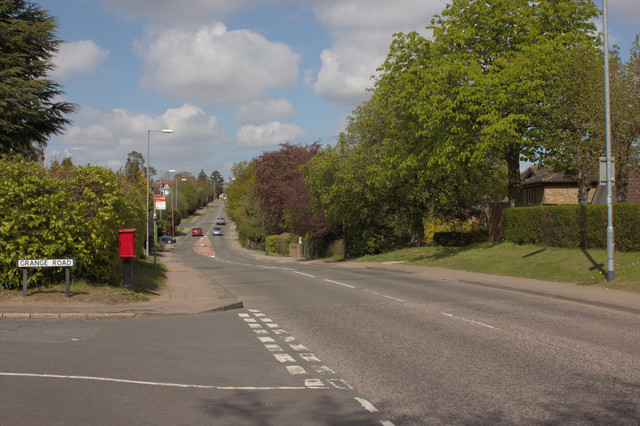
<point x="302" y="273"/>
<point x="470" y="321"/>
<point x="339" y="283"/>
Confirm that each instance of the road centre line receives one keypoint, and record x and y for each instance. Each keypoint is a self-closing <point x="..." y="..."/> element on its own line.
<point x="339" y="283"/>
<point x="146" y="383"/>
<point x="302" y="273"/>
<point x="367" y="405"/>
<point x="470" y="321"/>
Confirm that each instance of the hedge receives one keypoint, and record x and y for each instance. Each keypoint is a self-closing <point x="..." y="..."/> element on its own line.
<point x="574" y="226"/>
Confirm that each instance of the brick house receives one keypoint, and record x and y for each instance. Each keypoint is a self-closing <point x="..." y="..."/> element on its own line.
<point x="543" y="186"/>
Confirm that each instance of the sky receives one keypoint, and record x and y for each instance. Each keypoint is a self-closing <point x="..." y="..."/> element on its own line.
<point x="231" y="78"/>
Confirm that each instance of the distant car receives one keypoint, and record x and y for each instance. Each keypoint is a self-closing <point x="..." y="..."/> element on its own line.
<point x="216" y="231"/>
<point x="196" y="232"/>
<point x="165" y="239"/>
<point x="220" y="221"/>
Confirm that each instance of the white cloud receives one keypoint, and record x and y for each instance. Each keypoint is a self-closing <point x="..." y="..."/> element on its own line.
<point x="363" y="31"/>
<point x="212" y="65"/>
<point x="105" y="137"/>
<point x="77" y="57"/>
<point x="260" y="111"/>
<point x="272" y="133"/>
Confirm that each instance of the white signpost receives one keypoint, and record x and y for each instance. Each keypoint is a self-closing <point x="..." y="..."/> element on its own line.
<point x="25" y="264"/>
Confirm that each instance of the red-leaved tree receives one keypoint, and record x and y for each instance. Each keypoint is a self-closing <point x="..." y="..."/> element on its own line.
<point x="284" y="196"/>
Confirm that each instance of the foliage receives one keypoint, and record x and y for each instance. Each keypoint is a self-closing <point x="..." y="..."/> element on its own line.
<point x="574" y="226"/>
<point x="271" y="244"/>
<point x="65" y="212"/>
<point x="241" y="206"/>
<point x="29" y="113"/>
<point x="218" y="181"/>
<point x="282" y="193"/>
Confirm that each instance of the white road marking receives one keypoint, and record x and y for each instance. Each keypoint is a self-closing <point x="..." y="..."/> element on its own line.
<point x="147" y="383"/>
<point x="302" y="273"/>
<point x="266" y="339"/>
<point x="309" y="357"/>
<point x="314" y="383"/>
<point x="393" y="298"/>
<point x="470" y="321"/>
<point x="339" y="283"/>
<point x="284" y="358"/>
<point x="299" y="348"/>
<point x="274" y="348"/>
<point x="296" y="370"/>
<point x="367" y="405"/>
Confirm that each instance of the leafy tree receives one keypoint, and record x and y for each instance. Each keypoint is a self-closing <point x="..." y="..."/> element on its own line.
<point x="284" y="196"/>
<point x="509" y="48"/>
<point x="625" y="117"/>
<point x="242" y="207"/>
<point x="29" y="113"/>
<point x="135" y="167"/>
<point x="574" y="134"/>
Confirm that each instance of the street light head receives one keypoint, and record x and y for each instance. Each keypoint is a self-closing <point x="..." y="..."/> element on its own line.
<point x="167" y="131"/>
<point x="172" y="171"/>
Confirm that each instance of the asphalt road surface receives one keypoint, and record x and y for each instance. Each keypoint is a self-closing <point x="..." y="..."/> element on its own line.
<point x="329" y="344"/>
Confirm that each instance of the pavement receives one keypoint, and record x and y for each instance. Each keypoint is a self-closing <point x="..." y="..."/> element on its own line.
<point x="189" y="292"/>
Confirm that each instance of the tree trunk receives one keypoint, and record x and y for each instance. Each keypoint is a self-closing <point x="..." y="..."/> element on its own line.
<point x="513" y="173"/>
<point x="583" y="191"/>
<point x="417" y="231"/>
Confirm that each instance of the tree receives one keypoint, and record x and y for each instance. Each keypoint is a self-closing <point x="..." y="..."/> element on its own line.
<point x="29" y="113"/>
<point x="625" y="118"/>
<point x="218" y="182"/>
<point x="513" y="46"/>
<point x="574" y="131"/>
<point x="284" y="196"/>
<point x="135" y="168"/>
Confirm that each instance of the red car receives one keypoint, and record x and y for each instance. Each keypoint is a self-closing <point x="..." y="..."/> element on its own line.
<point x="196" y="232"/>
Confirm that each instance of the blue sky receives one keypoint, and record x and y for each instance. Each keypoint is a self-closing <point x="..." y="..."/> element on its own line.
<point x="232" y="78"/>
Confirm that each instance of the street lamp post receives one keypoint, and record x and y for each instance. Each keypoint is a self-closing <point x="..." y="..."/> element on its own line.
<point x="148" y="161"/>
<point x="173" y="226"/>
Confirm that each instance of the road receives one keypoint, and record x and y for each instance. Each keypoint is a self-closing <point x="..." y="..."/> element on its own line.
<point x="329" y="344"/>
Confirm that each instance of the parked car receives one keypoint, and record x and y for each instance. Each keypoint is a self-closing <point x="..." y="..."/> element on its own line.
<point x="165" y="239"/>
<point x="220" y="221"/>
<point x="216" y="231"/>
<point x="196" y="232"/>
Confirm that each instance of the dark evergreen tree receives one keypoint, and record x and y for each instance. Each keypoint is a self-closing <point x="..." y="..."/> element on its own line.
<point x="29" y="113"/>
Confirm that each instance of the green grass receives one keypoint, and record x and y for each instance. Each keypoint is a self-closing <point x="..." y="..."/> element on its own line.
<point x="585" y="267"/>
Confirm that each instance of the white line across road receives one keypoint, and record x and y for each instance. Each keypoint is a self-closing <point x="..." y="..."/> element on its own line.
<point x="146" y="383"/>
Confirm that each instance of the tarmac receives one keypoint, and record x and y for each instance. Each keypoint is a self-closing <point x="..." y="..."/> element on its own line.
<point x="188" y="291"/>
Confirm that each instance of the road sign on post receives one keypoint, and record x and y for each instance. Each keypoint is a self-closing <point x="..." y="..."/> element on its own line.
<point x="161" y="203"/>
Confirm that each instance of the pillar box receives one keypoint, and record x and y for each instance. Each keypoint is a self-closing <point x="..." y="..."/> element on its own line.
<point x="127" y="249"/>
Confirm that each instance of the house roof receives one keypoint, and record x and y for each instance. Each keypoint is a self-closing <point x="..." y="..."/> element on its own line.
<point x="536" y="175"/>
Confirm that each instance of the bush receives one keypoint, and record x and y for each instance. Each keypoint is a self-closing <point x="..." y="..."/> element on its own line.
<point x="271" y="244"/>
<point x="574" y="226"/>
<point x="66" y="212"/>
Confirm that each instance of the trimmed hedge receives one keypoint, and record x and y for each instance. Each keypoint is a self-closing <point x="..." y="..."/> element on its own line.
<point x="460" y="239"/>
<point x="574" y="226"/>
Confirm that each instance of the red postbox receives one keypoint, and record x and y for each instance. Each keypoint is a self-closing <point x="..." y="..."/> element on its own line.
<point x="127" y="249"/>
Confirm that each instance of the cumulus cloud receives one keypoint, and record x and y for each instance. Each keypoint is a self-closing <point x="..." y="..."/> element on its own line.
<point x="105" y="137"/>
<point x="214" y="66"/>
<point x="272" y="133"/>
<point x="261" y="111"/>
<point x="363" y="30"/>
<point x="171" y="10"/>
<point x="77" y="57"/>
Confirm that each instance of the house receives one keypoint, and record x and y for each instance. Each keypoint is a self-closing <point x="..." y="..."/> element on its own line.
<point x="543" y="186"/>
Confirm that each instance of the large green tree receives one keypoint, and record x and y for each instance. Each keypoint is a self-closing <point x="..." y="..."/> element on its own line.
<point x="29" y="113"/>
<point x="514" y="47"/>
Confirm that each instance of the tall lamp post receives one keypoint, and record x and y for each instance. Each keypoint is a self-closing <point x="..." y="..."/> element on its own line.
<point x="148" y="161"/>
<point x="173" y="226"/>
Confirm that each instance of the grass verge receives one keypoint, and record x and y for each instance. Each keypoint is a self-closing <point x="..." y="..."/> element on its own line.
<point x="146" y="280"/>
<point x="584" y="267"/>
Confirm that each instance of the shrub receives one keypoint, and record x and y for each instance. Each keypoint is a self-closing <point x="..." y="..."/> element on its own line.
<point x="574" y="226"/>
